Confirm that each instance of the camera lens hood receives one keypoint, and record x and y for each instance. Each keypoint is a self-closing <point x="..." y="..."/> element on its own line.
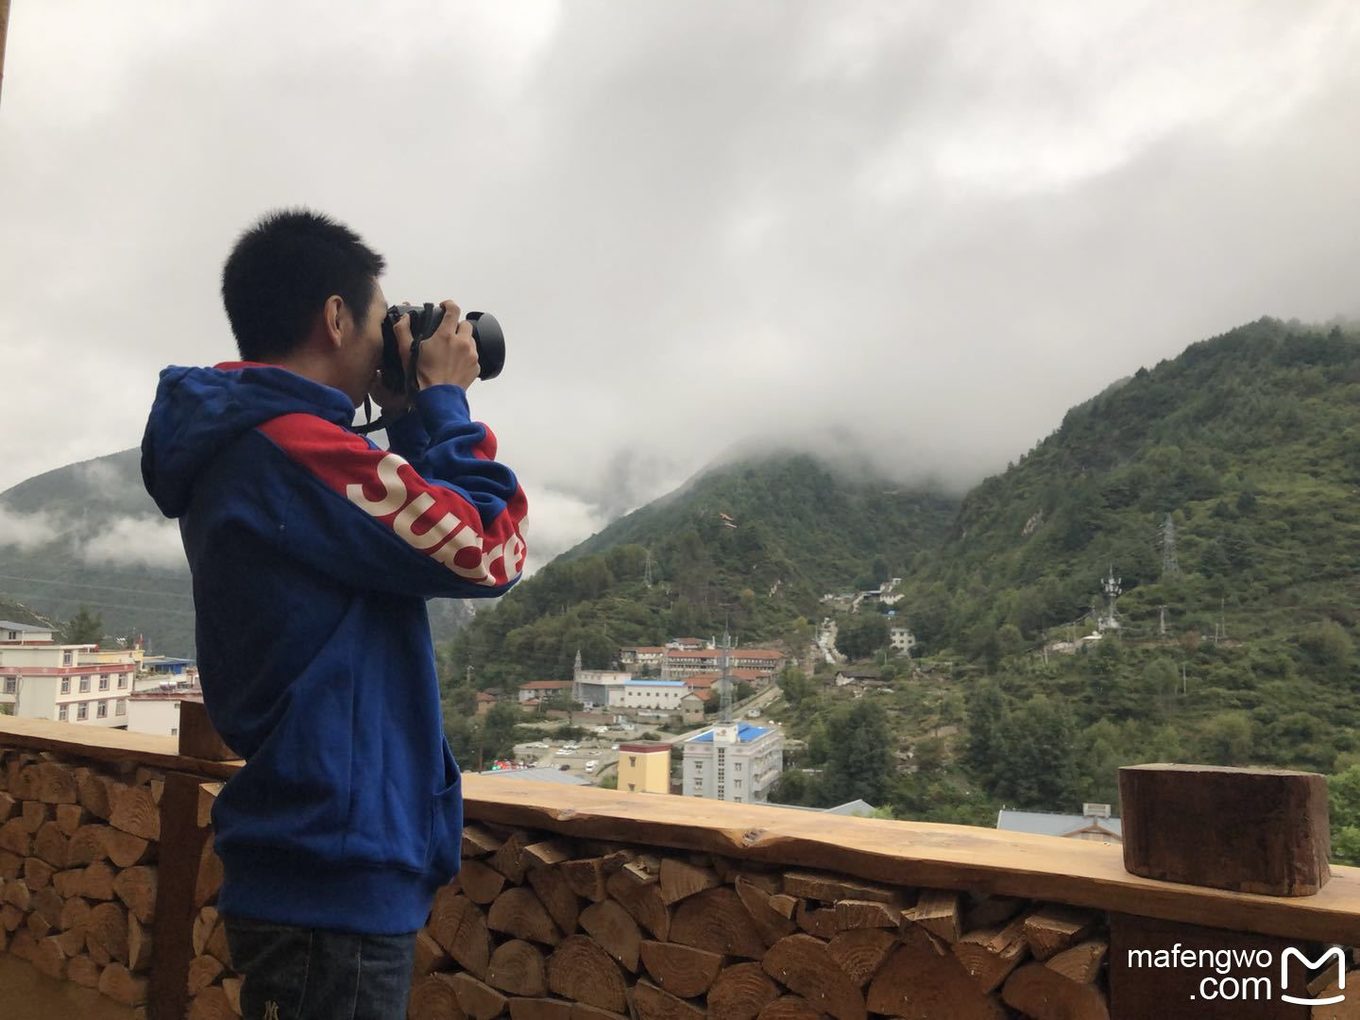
<point x="490" y="341"/>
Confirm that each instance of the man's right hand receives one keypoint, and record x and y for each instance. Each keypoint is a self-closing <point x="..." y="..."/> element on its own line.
<point x="449" y="355"/>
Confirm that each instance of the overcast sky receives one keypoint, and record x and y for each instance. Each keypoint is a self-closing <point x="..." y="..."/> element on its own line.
<point x="930" y="228"/>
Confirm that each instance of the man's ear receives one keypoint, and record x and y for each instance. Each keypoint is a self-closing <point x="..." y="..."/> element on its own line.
<point x="334" y="319"/>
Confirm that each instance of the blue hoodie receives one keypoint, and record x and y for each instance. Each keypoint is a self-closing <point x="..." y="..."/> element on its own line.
<point x="313" y="552"/>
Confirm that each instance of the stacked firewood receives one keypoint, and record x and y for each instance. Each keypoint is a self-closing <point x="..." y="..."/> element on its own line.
<point x="544" y="928"/>
<point x="214" y="988"/>
<point x="78" y="849"/>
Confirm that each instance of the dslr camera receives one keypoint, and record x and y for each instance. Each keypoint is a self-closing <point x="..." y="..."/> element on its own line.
<point x="425" y="319"/>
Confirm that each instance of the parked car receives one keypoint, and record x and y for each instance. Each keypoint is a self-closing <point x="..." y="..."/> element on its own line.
<point x="590" y="765"/>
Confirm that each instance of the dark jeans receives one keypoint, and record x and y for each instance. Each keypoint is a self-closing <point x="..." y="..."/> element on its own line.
<point x="311" y="974"/>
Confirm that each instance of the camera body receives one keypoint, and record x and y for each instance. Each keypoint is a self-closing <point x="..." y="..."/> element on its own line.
<point x="425" y="319"/>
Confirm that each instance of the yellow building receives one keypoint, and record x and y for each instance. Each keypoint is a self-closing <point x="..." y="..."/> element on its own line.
<point x="645" y="768"/>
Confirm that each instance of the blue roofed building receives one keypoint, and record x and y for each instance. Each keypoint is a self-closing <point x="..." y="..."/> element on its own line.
<point x="736" y="762"/>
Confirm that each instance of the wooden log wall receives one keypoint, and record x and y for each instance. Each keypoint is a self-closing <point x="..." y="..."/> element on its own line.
<point x="108" y="879"/>
<point x="540" y="927"/>
<point x="79" y="846"/>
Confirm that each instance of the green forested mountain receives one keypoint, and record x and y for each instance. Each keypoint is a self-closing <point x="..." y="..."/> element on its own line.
<point x="753" y="544"/>
<point x="1249" y="443"/>
<point x="1223" y="488"/>
<point x="89" y="535"/>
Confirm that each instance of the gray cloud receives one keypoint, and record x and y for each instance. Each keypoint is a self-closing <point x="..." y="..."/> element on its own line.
<point x="25" y="531"/>
<point x="917" y="232"/>
<point x="145" y="541"/>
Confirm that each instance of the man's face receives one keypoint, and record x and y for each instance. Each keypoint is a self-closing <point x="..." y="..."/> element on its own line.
<point x="363" y="348"/>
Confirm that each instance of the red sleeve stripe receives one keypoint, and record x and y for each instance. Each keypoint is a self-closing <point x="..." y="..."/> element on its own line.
<point x="430" y="518"/>
<point x="486" y="449"/>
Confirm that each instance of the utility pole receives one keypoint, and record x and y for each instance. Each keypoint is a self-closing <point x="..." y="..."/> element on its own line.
<point x="1161" y="626"/>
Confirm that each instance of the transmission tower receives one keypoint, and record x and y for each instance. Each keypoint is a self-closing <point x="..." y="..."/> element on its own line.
<point x="647" y="571"/>
<point x="1170" y="567"/>
<point x="725" y="680"/>
<point x="1111" y="586"/>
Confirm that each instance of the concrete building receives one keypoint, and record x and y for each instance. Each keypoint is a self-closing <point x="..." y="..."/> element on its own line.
<point x="545" y="690"/>
<point x="764" y="663"/>
<point x="157" y="711"/>
<point x="655" y="695"/>
<point x="25" y="633"/>
<point x="736" y="762"/>
<point x="645" y="768"/>
<point x="41" y="679"/>
<point x="645" y="657"/>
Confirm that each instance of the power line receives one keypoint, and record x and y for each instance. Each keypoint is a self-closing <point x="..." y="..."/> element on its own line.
<point x="116" y="605"/>
<point x="92" y="587"/>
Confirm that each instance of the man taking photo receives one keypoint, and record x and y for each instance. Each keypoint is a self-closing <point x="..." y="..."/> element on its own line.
<point x="313" y="552"/>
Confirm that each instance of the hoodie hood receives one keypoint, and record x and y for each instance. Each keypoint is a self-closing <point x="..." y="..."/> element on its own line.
<point x="199" y="411"/>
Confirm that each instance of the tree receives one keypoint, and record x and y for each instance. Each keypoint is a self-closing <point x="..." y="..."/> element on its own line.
<point x="85" y="628"/>
<point x="862" y="635"/>
<point x="1041" y="771"/>
<point x="988" y="730"/>
<point x="859" y="754"/>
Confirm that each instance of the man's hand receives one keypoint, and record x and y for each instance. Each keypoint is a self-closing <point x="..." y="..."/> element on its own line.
<point x="449" y="355"/>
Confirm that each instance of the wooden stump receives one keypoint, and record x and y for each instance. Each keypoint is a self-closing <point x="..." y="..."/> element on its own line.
<point x="1251" y="830"/>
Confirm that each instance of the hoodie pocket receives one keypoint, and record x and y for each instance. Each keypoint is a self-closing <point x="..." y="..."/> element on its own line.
<point x="443" y="854"/>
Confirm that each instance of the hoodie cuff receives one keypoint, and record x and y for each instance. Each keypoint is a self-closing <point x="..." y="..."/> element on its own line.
<point x="442" y="405"/>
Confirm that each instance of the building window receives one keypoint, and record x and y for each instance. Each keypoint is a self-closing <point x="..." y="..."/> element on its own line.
<point x="102" y="711"/>
<point x="84" y="685"/>
<point x="66" y="658"/>
<point x="632" y="761"/>
<point x="103" y="681"/>
<point x="122" y="681"/>
<point x="61" y="713"/>
<point x="83" y="710"/>
<point x="66" y="685"/>
<point x="174" y="731"/>
<point x="121" y="707"/>
<point x="11" y="684"/>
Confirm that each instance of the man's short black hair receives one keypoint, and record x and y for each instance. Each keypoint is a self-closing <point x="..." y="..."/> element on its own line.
<point x="281" y="272"/>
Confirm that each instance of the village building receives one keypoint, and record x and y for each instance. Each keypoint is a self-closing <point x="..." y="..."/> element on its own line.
<point x="736" y="762"/>
<point x="41" y="678"/>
